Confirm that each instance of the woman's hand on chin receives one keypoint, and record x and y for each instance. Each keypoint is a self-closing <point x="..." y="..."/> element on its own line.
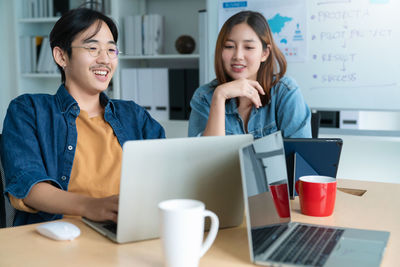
<point x="240" y="88"/>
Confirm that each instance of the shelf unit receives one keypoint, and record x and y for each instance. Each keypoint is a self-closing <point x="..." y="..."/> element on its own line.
<point x="186" y="23"/>
<point x="40" y="75"/>
<point x="39" y="20"/>
<point x="157" y="57"/>
<point x="33" y="82"/>
<point x="174" y="26"/>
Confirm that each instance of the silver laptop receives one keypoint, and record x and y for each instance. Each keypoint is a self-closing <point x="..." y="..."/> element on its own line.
<point x="275" y="240"/>
<point x="202" y="168"/>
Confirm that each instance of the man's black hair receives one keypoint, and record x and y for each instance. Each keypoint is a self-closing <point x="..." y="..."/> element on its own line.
<point x="72" y="23"/>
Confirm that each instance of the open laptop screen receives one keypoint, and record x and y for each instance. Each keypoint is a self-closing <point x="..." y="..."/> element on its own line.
<point x="264" y="175"/>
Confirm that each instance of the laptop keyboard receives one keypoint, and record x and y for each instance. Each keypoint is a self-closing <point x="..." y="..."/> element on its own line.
<point x="307" y="245"/>
<point x="264" y="237"/>
<point x="112" y="226"/>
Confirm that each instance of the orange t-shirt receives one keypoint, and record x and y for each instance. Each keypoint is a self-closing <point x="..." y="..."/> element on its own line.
<point x="96" y="169"/>
<point x="97" y="164"/>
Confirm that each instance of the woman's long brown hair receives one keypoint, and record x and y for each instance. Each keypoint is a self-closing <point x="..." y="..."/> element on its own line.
<point x="271" y="70"/>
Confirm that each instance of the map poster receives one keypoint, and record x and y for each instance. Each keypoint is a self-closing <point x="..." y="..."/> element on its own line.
<point x="286" y="18"/>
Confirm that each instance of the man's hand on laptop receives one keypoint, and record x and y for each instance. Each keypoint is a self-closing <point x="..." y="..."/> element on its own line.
<point x="102" y="209"/>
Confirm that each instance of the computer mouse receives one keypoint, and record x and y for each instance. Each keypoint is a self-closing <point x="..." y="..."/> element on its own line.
<point x="59" y="230"/>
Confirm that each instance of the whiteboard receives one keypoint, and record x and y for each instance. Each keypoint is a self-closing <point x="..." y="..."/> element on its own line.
<point x="344" y="54"/>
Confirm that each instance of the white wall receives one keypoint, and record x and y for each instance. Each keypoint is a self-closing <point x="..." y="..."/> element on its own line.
<point x="384" y="120"/>
<point x="367" y="158"/>
<point x="175" y="128"/>
<point x="7" y="64"/>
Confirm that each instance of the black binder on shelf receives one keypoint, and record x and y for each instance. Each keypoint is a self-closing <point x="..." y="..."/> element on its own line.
<point x="182" y="84"/>
<point x="192" y="83"/>
<point x="176" y="94"/>
<point x="311" y="156"/>
<point x="60" y="7"/>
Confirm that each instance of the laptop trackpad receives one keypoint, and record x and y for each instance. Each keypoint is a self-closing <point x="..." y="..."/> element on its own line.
<point x="356" y="252"/>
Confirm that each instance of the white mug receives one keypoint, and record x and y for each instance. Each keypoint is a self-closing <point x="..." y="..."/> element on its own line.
<point x="182" y="230"/>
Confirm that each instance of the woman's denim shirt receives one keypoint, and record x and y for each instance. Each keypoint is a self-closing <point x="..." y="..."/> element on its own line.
<point x="39" y="140"/>
<point x="287" y="112"/>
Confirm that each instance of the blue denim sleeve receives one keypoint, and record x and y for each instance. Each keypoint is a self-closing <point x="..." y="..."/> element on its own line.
<point x="199" y="114"/>
<point x="293" y="114"/>
<point x="20" y="150"/>
<point x="151" y="128"/>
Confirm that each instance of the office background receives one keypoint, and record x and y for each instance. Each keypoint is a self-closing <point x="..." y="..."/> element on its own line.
<point x="369" y="153"/>
<point x="342" y="52"/>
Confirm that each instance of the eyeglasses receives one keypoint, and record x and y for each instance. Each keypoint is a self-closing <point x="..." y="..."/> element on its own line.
<point x="95" y="50"/>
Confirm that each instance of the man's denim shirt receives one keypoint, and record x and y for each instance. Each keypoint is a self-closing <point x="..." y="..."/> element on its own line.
<point x="287" y="111"/>
<point x="40" y="136"/>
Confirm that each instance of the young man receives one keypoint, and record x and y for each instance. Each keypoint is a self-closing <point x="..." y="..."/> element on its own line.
<point x="62" y="153"/>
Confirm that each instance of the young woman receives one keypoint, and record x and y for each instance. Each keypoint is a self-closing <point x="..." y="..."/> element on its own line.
<point x="251" y="93"/>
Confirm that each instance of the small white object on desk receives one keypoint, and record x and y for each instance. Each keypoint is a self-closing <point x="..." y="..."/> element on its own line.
<point x="59" y="230"/>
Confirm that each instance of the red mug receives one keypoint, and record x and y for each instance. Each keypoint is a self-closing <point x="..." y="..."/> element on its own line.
<point x="317" y="195"/>
<point x="279" y="191"/>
